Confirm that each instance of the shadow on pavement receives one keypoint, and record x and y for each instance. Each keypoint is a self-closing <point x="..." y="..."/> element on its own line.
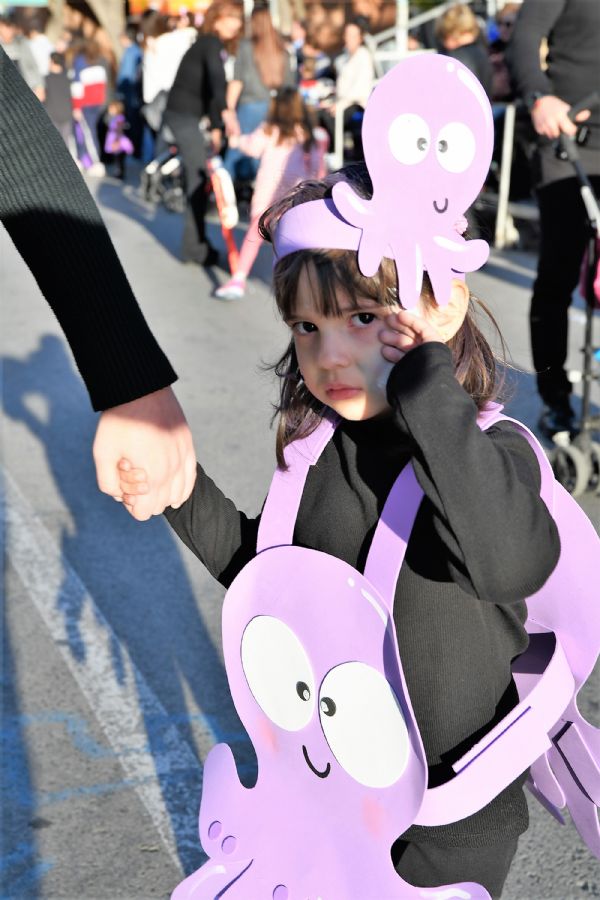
<point x="137" y="580"/>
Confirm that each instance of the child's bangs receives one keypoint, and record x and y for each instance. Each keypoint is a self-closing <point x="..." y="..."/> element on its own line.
<point x="332" y="274"/>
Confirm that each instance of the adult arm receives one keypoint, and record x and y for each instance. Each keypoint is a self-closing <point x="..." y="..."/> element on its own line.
<point x="57" y="228"/>
<point x="216" y="82"/>
<point x="535" y="21"/>
<point x="484" y="486"/>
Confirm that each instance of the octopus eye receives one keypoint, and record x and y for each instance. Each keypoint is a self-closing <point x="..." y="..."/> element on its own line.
<point x="303" y="690"/>
<point x="278" y="672"/>
<point x="368" y="734"/>
<point x="409" y="139"/>
<point x="455" y="148"/>
<point x="328" y="706"/>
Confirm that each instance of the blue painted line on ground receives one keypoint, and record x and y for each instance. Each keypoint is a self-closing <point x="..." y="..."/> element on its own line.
<point x="28" y="880"/>
<point x="78" y="730"/>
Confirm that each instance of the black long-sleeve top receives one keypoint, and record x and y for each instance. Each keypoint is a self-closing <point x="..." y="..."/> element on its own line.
<point x="55" y="224"/>
<point x="199" y="86"/>
<point x="572" y="28"/>
<point x="482" y="541"/>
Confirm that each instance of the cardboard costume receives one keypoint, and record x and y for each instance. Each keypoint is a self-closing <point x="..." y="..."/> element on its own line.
<point x="341" y="766"/>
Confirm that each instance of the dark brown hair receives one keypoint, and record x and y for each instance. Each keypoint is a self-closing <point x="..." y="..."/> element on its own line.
<point x="289" y="114"/>
<point x="268" y="48"/>
<point x="475" y="364"/>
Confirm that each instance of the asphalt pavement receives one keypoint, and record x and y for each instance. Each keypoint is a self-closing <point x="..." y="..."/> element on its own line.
<point x="113" y="680"/>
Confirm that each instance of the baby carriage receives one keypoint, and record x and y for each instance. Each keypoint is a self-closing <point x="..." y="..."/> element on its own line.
<point x="162" y="179"/>
<point x="576" y="461"/>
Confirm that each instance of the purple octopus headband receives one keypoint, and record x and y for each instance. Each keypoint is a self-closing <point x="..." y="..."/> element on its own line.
<point x="427" y="137"/>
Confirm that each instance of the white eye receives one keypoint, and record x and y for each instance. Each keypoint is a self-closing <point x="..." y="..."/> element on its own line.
<point x="278" y="672"/>
<point x="363" y="724"/>
<point x="409" y="139"/>
<point x="455" y="147"/>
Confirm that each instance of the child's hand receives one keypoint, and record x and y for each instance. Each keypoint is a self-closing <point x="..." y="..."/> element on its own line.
<point x="403" y="332"/>
<point x="132" y="482"/>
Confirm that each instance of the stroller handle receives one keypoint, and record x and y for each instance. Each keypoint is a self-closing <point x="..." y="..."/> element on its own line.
<point x="587" y="103"/>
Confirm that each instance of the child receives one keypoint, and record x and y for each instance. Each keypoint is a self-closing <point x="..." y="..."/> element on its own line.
<point x="288" y="154"/>
<point x="58" y="99"/>
<point x="459" y="607"/>
<point x="117" y="145"/>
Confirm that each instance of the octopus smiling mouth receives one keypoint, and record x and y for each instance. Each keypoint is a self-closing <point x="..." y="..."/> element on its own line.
<point x="322" y="774"/>
<point x="441" y="209"/>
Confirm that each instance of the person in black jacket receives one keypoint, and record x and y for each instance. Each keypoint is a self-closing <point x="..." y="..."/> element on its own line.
<point x="572" y="29"/>
<point x="199" y="91"/>
<point x="459" y="609"/>
<point x="55" y="225"/>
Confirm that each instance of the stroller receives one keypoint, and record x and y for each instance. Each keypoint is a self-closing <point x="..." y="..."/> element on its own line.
<point x="162" y="179"/>
<point x="576" y="461"/>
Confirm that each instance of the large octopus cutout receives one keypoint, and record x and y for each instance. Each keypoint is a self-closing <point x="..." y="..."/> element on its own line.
<point x="427" y="138"/>
<point x="313" y="667"/>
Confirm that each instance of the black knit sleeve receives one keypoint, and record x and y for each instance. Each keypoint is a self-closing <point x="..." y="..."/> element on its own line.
<point x="215" y="81"/>
<point x="535" y="21"/>
<point x="57" y="228"/>
<point x="210" y="525"/>
<point x="484" y="486"/>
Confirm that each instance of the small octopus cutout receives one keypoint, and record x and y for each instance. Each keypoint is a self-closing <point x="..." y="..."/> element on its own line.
<point x="427" y="139"/>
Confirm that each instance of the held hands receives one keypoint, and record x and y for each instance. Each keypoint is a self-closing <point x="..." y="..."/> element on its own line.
<point x="550" y="117"/>
<point x="134" y="487"/>
<point x="152" y="431"/>
<point x="403" y="332"/>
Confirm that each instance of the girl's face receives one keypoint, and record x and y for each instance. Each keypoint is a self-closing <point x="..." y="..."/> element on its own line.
<point x="340" y="356"/>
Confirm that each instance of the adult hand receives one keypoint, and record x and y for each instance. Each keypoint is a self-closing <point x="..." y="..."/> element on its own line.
<point x="232" y="125"/>
<point x="152" y="432"/>
<point x="216" y="139"/>
<point x="550" y="117"/>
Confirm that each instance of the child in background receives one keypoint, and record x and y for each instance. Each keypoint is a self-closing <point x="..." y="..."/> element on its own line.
<point x="407" y="387"/>
<point x="288" y="154"/>
<point x="117" y="145"/>
<point x="58" y="100"/>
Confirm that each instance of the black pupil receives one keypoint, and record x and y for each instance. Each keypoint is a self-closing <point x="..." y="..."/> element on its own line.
<point x="422" y="144"/>
<point x="443" y="146"/>
<point x="328" y="706"/>
<point x="303" y="690"/>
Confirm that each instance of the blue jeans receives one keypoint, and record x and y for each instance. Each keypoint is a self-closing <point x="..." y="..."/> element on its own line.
<point x="240" y="166"/>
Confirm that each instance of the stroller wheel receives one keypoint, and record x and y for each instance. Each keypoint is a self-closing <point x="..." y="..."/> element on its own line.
<point x="594" y="482"/>
<point x="572" y="468"/>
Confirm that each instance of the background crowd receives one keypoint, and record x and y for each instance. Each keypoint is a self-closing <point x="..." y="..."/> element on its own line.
<point x="220" y="84"/>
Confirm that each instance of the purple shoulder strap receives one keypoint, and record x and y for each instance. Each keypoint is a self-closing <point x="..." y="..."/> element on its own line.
<point x="388" y="546"/>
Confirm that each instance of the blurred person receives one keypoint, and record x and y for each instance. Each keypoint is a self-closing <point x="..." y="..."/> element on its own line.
<point x="297" y="38"/>
<point x="117" y="144"/>
<point x="505" y="22"/>
<point x="288" y="154"/>
<point x="459" y="36"/>
<point x="17" y="49"/>
<point x="198" y="92"/>
<point x="572" y="29"/>
<point x="163" y="50"/>
<point x="55" y="225"/>
<point x="40" y="44"/>
<point x="262" y="65"/>
<point x="58" y="100"/>
<point x="91" y="76"/>
<point x="129" y="84"/>
<point x="354" y="83"/>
